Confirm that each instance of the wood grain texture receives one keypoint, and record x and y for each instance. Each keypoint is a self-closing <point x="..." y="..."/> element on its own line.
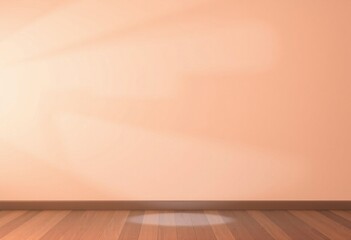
<point x="293" y="226"/>
<point x="342" y="219"/>
<point x="343" y="214"/>
<point x="62" y="230"/>
<point x="13" y="224"/>
<point x="324" y="224"/>
<point x="76" y="228"/>
<point x="7" y="216"/>
<point x="167" y="226"/>
<point x="275" y="231"/>
<point x="175" y="225"/>
<point x="201" y="226"/>
<point x="237" y="228"/>
<point x="218" y="225"/>
<point x="114" y="228"/>
<point x="149" y="230"/>
<point x="37" y="226"/>
<point x="185" y="229"/>
<point x="251" y="225"/>
<point x="94" y="229"/>
<point x="131" y="230"/>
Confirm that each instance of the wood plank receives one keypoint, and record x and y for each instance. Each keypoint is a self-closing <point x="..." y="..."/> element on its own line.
<point x="167" y="226"/>
<point x="293" y="226"/>
<point x="323" y="224"/>
<point x="131" y="230"/>
<point x="219" y="226"/>
<point x="66" y="227"/>
<point x="16" y="222"/>
<point x="114" y="228"/>
<point x="149" y="228"/>
<point x="95" y="225"/>
<point x="222" y="225"/>
<point x="344" y="214"/>
<point x="37" y="226"/>
<point x="254" y="228"/>
<point x="269" y="226"/>
<point x="239" y="231"/>
<point x="8" y="216"/>
<point x="185" y="229"/>
<point x="81" y="226"/>
<point x="337" y="218"/>
<point x="202" y="227"/>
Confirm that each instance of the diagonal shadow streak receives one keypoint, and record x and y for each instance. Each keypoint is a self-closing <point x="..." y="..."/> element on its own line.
<point x="26" y="161"/>
<point x="46" y="10"/>
<point x="182" y="114"/>
<point x="161" y="21"/>
<point x="205" y="107"/>
<point x="209" y="112"/>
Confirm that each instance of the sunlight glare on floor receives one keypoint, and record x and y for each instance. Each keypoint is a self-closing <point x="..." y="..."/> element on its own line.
<point x="181" y="219"/>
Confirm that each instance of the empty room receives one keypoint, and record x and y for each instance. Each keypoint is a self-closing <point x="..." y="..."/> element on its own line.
<point x="175" y="120"/>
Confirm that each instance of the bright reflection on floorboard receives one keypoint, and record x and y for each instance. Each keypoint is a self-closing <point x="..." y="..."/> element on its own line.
<point x="181" y="219"/>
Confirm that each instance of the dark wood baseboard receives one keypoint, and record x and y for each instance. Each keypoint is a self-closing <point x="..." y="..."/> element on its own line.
<point x="175" y="205"/>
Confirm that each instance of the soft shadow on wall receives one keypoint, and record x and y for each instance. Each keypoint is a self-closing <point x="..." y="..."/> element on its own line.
<point x="176" y="100"/>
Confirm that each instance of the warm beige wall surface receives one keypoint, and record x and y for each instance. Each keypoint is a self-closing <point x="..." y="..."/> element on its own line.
<point x="175" y="99"/>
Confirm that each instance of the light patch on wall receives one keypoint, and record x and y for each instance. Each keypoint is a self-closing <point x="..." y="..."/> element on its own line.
<point x="80" y="23"/>
<point x="20" y="97"/>
<point x="21" y="111"/>
<point x="9" y="94"/>
<point x="150" y="64"/>
<point x="251" y="96"/>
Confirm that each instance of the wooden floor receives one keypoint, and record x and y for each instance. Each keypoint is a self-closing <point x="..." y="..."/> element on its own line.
<point x="152" y="225"/>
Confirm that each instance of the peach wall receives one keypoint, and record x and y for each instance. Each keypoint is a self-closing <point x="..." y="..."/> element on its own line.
<point x="175" y="100"/>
